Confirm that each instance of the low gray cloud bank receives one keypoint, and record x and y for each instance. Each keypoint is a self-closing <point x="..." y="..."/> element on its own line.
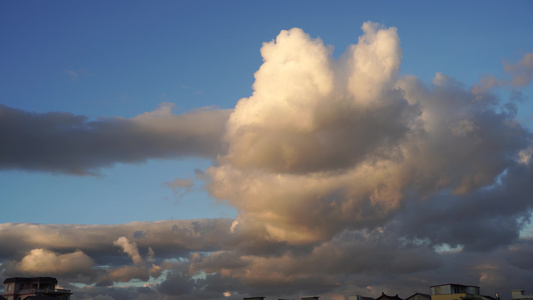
<point x="203" y="259"/>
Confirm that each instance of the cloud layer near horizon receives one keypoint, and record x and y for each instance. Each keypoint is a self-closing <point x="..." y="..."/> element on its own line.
<point x="347" y="178"/>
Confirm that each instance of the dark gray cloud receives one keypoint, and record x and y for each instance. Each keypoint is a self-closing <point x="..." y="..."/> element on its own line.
<point x="66" y="143"/>
<point x="483" y="220"/>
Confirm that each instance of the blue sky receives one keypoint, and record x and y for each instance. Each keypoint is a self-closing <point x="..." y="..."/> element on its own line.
<point x="159" y="85"/>
<point x="109" y="59"/>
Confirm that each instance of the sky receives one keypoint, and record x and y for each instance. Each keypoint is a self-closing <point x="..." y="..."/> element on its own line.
<point x="229" y="149"/>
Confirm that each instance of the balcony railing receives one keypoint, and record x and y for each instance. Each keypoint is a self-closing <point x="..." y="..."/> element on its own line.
<point x="44" y="291"/>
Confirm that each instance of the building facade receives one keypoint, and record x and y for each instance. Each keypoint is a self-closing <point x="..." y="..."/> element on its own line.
<point x="519" y="294"/>
<point x="455" y="292"/>
<point x="419" y="296"/>
<point x="20" y="288"/>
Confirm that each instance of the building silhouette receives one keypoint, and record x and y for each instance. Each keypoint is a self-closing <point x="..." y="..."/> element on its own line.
<point x="455" y="292"/>
<point x="520" y="295"/>
<point x="34" y="288"/>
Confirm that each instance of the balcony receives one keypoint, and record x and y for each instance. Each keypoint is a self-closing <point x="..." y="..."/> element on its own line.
<point x="44" y="291"/>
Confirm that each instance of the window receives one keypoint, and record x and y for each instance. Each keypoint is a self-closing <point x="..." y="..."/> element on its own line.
<point x="9" y="287"/>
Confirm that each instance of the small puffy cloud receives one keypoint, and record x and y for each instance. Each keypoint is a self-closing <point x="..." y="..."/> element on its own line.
<point x="525" y="155"/>
<point x="40" y="261"/>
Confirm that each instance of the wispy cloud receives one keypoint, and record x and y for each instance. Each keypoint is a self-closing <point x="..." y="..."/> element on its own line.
<point x="521" y="74"/>
<point x="180" y="187"/>
<point x="75" y="75"/>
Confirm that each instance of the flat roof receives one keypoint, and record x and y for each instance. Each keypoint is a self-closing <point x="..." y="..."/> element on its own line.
<point x="465" y="285"/>
<point x="31" y="279"/>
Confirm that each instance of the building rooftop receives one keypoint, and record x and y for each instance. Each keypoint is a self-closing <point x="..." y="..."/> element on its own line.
<point x="31" y="279"/>
<point x="456" y="284"/>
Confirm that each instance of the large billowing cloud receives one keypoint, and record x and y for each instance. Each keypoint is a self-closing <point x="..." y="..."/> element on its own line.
<point x="324" y="145"/>
<point x="65" y="143"/>
<point x="348" y="179"/>
<point x="312" y="113"/>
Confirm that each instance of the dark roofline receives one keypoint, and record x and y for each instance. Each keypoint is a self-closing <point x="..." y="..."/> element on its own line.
<point x="31" y="279"/>
<point x="428" y="295"/>
<point x="387" y="296"/>
<point x="465" y="285"/>
<point x="40" y="297"/>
